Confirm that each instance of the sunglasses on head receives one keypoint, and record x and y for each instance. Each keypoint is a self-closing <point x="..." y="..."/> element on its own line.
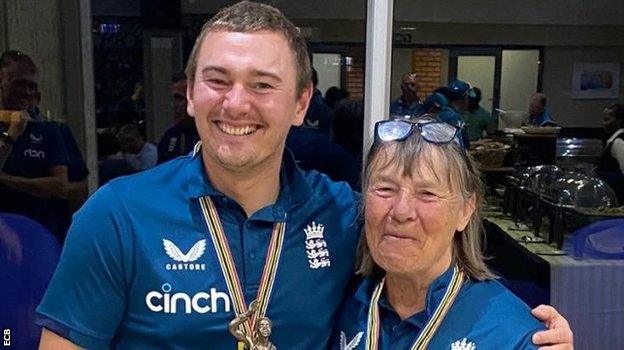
<point x="432" y="131"/>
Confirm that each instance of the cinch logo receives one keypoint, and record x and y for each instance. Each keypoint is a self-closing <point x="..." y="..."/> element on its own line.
<point x="201" y="302"/>
<point x="33" y="153"/>
<point x="184" y="259"/>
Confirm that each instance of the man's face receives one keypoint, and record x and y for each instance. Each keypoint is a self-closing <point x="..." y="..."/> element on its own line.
<point x="535" y="106"/>
<point x="25" y="92"/>
<point x="22" y="93"/>
<point x="244" y="98"/>
<point x="409" y="85"/>
<point x="610" y="123"/>
<point x="178" y="91"/>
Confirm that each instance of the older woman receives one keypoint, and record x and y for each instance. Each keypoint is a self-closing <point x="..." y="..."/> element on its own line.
<point x="426" y="285"/>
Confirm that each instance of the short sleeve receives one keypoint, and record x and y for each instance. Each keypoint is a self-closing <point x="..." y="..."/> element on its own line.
<point x="77" y="169"/>
<point x="617" y="152"/>
<point x="86" y="298"/>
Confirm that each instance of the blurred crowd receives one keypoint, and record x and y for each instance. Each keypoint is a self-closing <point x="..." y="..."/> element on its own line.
<point x="43" y="175"/>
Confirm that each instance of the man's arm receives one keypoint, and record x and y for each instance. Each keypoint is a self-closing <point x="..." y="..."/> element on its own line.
<point x="86" y="298"/>
<point x="5" y="152"/>
<point x="52" y="341"/>
<point x="55" y="185"/>
<point x="77" y="193"/>
<point x="558" y="336"/>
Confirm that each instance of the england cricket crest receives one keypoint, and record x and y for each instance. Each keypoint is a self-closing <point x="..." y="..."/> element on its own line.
<point x="463" y="344"/>
<point x="316" y="247"/>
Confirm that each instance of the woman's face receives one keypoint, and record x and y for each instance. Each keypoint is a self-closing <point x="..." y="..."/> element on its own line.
<point x="411" y="220"/>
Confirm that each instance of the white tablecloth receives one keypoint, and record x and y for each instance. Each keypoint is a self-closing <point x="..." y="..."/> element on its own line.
<point x="588" y="292"/>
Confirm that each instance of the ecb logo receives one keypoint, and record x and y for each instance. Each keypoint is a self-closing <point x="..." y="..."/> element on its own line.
<point x="6" y="337"/>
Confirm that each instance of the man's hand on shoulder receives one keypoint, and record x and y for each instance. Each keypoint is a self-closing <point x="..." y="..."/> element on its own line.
<point x="558" y="336"/>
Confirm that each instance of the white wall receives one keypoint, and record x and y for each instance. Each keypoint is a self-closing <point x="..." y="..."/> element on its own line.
<point x="571" y="12"/>
<point x="519" y="72"/>
<point x="557" y="84"/>
<point x="479" y="71"/>
<point x="567" y="12"/>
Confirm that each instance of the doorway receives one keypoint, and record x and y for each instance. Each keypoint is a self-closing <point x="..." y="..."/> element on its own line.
<point x="507" y="77"/>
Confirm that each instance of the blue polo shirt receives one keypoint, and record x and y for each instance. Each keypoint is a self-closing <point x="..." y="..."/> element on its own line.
<point x="177" y="141"/>
<point x="39" y="148"/>
<point x="544" y="119"/>
<point x="116" y="285"/>
<point x="485" y="314"/>
<point x="319" y="117"/>
<point x="398" y="108"/>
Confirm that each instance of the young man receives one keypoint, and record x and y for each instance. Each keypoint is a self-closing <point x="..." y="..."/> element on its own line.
<point x="167" y="258"/>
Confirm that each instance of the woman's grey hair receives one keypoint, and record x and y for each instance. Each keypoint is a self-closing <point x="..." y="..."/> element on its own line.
<point x="459" y="171"/>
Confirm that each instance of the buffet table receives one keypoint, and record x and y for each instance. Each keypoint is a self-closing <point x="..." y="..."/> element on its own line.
<point x="589" y="292"/>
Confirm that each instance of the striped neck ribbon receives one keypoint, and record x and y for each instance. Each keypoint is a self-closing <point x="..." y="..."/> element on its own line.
<point x="428" y="331"/>
<point x="228" y="267"/>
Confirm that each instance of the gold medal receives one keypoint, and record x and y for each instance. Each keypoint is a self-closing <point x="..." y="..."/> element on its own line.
<point x="250" y="326"/>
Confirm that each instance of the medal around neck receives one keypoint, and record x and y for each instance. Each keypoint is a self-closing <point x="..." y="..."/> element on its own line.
<point x="250" y="327"/>
<point x="262" y="328"/>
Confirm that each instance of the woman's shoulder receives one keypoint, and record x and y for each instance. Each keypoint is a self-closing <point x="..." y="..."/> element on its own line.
<point x="496" y="300"/>
<point x="488" y="313"/>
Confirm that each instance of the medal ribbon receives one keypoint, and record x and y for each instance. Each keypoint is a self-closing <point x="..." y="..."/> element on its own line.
<point x="228" y="267"/>
<point x="427" y="333"/>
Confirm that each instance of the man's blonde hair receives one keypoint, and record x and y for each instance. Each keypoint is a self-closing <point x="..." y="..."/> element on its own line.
<point x="250" y="17"/>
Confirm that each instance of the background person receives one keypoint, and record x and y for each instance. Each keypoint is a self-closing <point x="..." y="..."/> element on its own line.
<point x="538" y="114"/>
<point x="33" y="157"/>
<point x="409" y="102"/>
<point x="611" y="164"/>
<point x="477" y="119"/>
<point x="182" y="136"/>
<point x="142" y="154"/>
<point x="319" y="116"/>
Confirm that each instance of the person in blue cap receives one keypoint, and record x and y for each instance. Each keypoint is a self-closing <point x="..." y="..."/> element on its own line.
<point x="426" y="284"/>
<point x="433" y="103"/>
<point x="438" y="105"/>
<point x="408" y="103"/>
<point x="538" y="114"/>
<point x="167" y="258"/>
<point x="459" y="92"/>
<point x="477" y="119"/>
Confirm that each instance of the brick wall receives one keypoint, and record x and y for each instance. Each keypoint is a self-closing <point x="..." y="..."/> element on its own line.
<point x="427" y="64"/>
<point x="354" y="80"/>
